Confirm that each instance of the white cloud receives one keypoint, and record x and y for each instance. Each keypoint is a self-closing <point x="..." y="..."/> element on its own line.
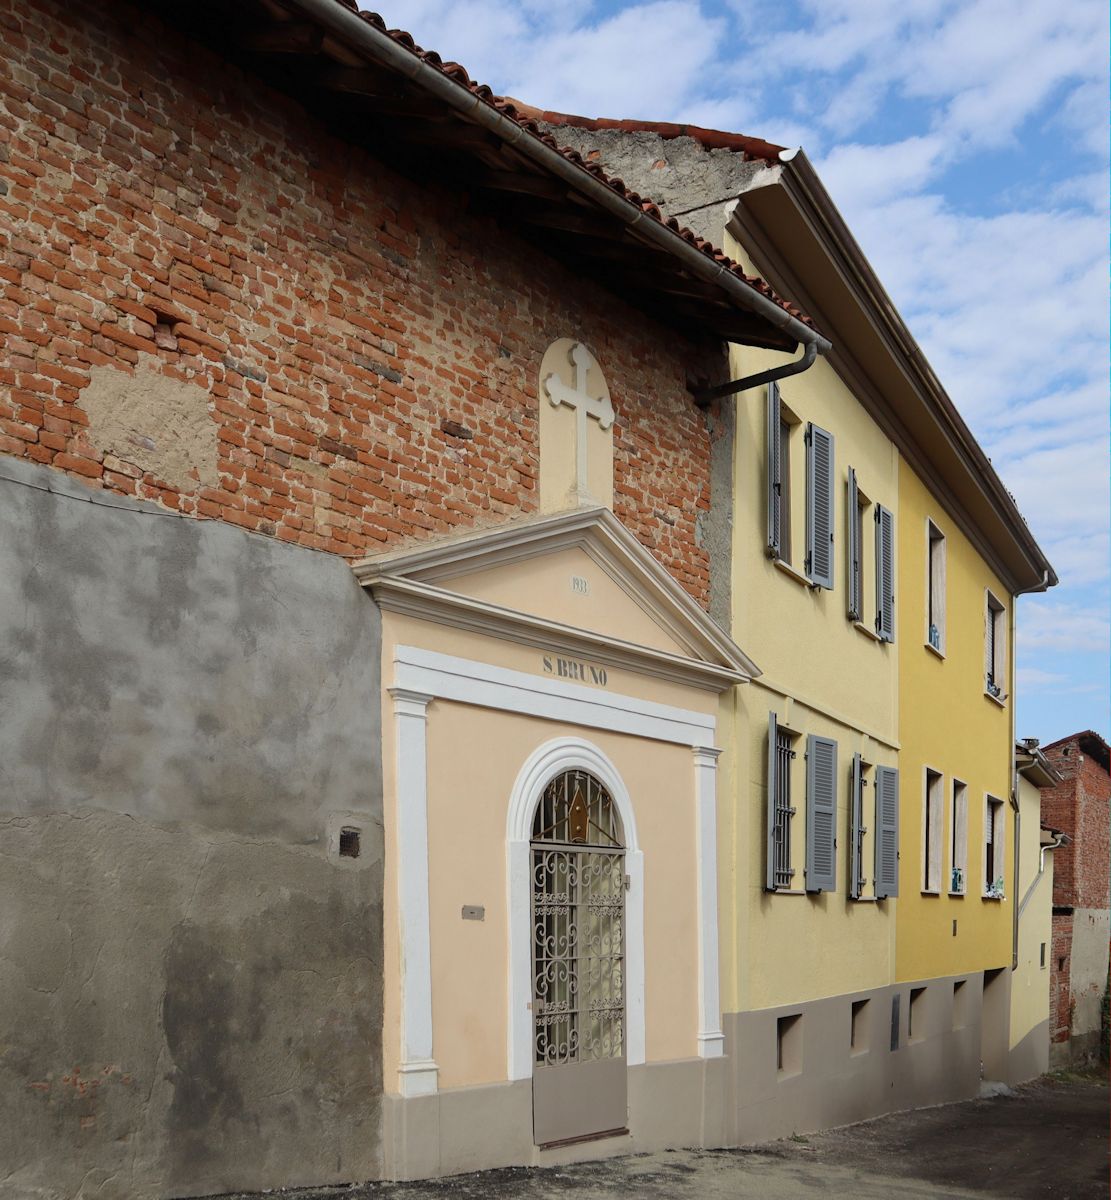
<point x="1049" y="624"/>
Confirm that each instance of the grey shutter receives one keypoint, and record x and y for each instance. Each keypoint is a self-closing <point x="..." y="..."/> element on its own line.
<point x="821" y="814"/>
<point x="857" y="829"/>
<point x="769" y="846"/>
<point x="775" y="483"/>
<point x="887" y="832"/>
<point x="819" y="506"/>
<point x="852" y="502"/>
<point x="885" y="573"/>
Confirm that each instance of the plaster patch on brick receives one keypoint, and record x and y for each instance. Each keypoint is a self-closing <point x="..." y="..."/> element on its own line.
<point x="162" y="425"/>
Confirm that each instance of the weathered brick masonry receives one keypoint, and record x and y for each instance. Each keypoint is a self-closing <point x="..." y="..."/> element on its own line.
<point x="162" y="213"/>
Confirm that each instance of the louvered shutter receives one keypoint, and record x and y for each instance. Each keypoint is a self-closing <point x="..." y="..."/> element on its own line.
<point x="885" y="573"/>
<point x="852" y="502"/>
<point x="887" y="832"/>
<point x="821" y="814"/>
<point x="773" y="786"/>
<point x="775" y="482"/>
<point x="819" y="507"/>
<point x="856" y="828"/>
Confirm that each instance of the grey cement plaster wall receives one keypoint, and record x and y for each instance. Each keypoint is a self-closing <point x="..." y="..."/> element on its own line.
<point x="190" y="977"/>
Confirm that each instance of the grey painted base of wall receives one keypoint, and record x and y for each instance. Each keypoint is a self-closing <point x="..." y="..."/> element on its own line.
<point x="828" y="1082"/>
<point x="671" y="1105"/>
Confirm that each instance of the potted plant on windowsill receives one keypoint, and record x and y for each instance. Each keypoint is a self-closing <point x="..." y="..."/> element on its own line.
<point x="956" y="882"/>
<point x="995" y="890"/>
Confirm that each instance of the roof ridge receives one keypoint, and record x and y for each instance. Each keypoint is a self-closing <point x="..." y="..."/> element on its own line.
<point x="753" y="149"/>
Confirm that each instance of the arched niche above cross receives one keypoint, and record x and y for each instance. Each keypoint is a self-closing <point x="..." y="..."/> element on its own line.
<point x="576" y="429"/>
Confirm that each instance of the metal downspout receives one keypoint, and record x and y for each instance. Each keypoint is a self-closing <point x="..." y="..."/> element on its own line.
<point x="359" y="34"/>
<point x="804" y="362"/>
<point x="1037" y="587"/>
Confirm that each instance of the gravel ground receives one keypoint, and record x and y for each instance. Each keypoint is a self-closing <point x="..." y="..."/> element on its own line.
<point x="1046" y="1141"/>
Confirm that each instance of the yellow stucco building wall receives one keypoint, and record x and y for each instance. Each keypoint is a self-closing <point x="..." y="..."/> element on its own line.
<point x="948" y="724"/>
<point x="823" y="674"/>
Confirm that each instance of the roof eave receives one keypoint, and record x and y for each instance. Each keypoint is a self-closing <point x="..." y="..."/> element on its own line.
<point x="800" y="183"/>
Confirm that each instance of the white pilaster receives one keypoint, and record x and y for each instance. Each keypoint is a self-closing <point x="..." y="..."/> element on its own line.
<point x="711" y="1040"/>
<point x="417" y="1072"/>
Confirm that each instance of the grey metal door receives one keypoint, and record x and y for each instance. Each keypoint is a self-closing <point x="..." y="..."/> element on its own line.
<point x="579" y="1087"/>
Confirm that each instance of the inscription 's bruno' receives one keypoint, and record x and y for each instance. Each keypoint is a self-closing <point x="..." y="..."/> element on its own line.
<point x="571" y="668"/>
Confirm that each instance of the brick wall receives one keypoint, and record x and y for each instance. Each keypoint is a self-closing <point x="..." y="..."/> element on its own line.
<point x="1080" y="806"/>
<point x="164" y="216"/>
<point x="1060" y="1016"/>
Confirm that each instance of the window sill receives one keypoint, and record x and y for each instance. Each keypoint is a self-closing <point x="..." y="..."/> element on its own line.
<point x="957" y="895"/>
<point x="1000" y="700"/>
<point x="788" y="892"/>
<point x="988" y="896"/>
<point x="864" y="899"/>
<point x="791" y="573"/>
<point x="930" y="892"/>
<point x="860" y="627"/>
<point x="934" y="650"/>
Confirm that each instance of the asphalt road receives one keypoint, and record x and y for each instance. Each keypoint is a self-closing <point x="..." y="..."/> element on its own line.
<point x="1047" y="1141"/>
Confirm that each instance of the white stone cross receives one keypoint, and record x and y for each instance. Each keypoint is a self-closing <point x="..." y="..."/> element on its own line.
<point x="585" y="405"/>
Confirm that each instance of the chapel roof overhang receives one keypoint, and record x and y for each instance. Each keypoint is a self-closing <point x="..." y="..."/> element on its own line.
<point x="418" y="581"/>
<point x="377" y="88"/>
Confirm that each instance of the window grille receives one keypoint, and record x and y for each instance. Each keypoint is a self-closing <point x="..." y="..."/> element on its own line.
<point x="781" y="834"/>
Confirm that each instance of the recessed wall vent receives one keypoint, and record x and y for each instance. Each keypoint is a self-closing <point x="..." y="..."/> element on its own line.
<point x="349" y="843"/>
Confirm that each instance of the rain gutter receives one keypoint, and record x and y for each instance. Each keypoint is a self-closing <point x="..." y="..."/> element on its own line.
<point x="364" y="37"/>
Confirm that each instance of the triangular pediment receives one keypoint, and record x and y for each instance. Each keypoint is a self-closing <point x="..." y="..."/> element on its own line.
<point x="572" y="577"/>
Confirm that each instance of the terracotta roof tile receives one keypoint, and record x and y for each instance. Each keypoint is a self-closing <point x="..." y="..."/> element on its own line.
<point x="528" y="118"/>
<point x="753" y="149"/>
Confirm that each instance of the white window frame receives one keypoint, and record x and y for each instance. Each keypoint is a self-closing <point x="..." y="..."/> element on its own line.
<point x="996" y="830"/>
<point x="958" y="836"/>
<point x="935" y="588"/>
<point x="933" y="824"/>
<point x="995" y="636"/>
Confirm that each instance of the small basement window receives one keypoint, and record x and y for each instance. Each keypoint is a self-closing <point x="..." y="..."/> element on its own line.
<point x="916" y="1015"/>
<point x="788" y="1045"/>
<point x="858" y="1030"/>
<point x="960" y="1004"/>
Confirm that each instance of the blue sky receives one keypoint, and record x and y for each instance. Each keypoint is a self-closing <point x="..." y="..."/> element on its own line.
<point x="966" y="144"/>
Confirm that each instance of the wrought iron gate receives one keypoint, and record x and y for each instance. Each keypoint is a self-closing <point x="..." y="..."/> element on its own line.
<point x="578" y="951"/>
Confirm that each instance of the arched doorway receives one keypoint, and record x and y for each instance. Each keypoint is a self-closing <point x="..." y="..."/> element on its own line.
<point x="578" y="883"/>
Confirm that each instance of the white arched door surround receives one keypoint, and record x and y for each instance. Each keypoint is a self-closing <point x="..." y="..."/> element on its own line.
<point x="543" y="765"/>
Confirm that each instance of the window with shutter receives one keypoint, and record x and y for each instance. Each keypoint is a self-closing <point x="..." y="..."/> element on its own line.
<point x="857" y="829"/>
<point x="935" y="592"/>
<point x="855" y="530"/>
<point x="819" y="506"/>
<point x="775" y="474"/>
<point x="931" y="832"/>
<point x="994" y="862"/>
<point x="885" y="573"/>
<point x="887" y="832"/>
<point x="995" y="644"/>
<point x="821" y="814"/>
<point x="958" y="865"/>
<point x="779" y="871"/>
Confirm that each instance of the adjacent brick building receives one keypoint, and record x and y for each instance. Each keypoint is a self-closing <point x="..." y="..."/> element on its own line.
<point x="1080" y="807"/>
